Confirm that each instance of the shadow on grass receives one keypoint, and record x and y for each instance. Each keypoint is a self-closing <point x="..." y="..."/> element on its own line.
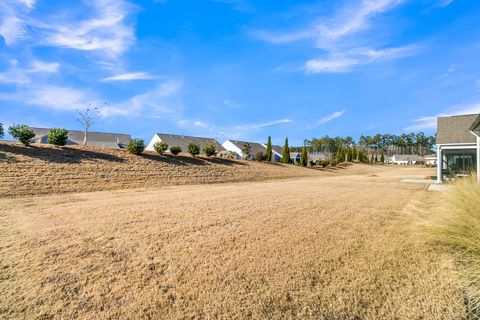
<point x="339" y="167"/>
<point x="182" y="160"/>
<point x="58" y="155"/>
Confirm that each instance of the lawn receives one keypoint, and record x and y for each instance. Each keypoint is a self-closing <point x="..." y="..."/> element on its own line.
<point x="320" y="247"/>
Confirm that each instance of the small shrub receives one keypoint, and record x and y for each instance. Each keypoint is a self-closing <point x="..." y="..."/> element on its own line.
<point x="323" y="163"/>
<point x="334" y="162"/>
<point x="260" y="156"/>
<point x="160" y="147"/>
<point x="246" y="151"/>
<point x="136" y="146"/>
<point x="58" y="137"/>
<point x="1" y="131"/>
<point x="210" y="149"/>
<point x="175" y="150"/>
<point x="193" y="148"/>
<point x="22" y="133"/>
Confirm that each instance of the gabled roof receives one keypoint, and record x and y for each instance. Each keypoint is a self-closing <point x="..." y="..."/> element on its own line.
<point x="277" y="149"/>
<point x="456" y="129"/>
<point x="183" y="141"/>
<point x="475" y="125"/>
<point x="408" y="157"/>
<point x="94" y="139"/>
<point x="254" y="147"/>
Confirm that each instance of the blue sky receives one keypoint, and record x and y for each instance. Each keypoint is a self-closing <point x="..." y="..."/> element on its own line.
<point x="239" y="68"/>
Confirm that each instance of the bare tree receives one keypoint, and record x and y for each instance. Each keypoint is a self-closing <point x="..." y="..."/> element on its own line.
<point x="87" y="117"/>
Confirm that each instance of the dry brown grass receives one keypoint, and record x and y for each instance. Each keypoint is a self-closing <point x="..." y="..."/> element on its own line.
<point x="453" y="222"/>
<point x="42" y="169"/>
<point x="340" y="247"/>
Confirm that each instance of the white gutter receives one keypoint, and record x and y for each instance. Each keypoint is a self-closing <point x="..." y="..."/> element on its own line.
<point x="478" y="154"/>
<point x="439" y="164"/>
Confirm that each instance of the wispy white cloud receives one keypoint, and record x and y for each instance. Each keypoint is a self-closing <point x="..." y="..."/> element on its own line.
<point x="331" y="117"/>
<point x="39" y="66"/>
<point x="157" y="103"/>
<point x="21" y="76"/>
<point x="160" y="102"/>
<point x="238" y="5"/>
<point x="52" y="97"/>
<point x="129" y="76"/>
<point x="327" y="119"/>
<point x="340" y="50"/>
<point x="445" y="3"/>
<point x="329" y="65"/>
<point x="105" y="30"/>
<point x="12" y="19"/>
<point x="358" y="56"/>
<point x="238" y="131"/>
<point x="349" y="20"/>
<point x="430" y="122"/>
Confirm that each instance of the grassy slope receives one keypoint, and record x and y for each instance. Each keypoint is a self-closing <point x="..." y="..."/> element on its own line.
<point x="43" y="169"/>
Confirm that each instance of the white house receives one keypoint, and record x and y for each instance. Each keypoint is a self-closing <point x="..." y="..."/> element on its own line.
<point x="404" y="159"/>
<point x="236" y="146"/>
<point x="430" y="160"/>
<point x="458" y="146"/>
<point x="182" y="142"/>
<point x="94" y="139"/>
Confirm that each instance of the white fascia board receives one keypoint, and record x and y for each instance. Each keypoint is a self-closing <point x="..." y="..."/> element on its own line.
<point x="229" y="146"/>
<point x="154" y="140"/>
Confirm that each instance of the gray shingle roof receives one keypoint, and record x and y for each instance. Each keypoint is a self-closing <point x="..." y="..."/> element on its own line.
<point x="408" y="157"/>
<point x="94" y="139"/>
<point x="255" y="147"/>
<point x="277" y="149"/>
<point x="183" y="141"/>
<point x="475" y="125"/>
<point x="455" y="129"/>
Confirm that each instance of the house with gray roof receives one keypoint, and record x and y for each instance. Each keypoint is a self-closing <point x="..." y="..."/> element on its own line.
<point x="94" y="139"/>
<point x="458" y="146"/>
<point x="236" y="146"/>
<point x="182" y="142"/>
<point x="407" y="159"/>
<point x="277" y="153"/>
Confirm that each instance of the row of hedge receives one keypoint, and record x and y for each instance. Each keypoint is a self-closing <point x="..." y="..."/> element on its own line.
<point x="137" y="146"/>
<point x="59" y="137"/>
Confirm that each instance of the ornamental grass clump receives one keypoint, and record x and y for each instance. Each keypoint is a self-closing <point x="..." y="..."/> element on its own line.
<point x="455" y="225"/>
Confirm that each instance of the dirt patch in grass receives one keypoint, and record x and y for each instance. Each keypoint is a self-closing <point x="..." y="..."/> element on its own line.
<point x="342" y="247"/>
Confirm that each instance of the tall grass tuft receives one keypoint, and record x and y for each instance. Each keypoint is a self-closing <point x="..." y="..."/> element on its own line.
<point x="458" y="228"/>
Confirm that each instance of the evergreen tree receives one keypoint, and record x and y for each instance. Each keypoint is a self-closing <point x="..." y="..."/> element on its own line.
<point x="246" y="151"/>
<point x="340" y="154"/>
<point x="304" y="156"/>
<point x="286" y="152"/>
<point x="269" y="149"/>
<point x="350" y="155"/>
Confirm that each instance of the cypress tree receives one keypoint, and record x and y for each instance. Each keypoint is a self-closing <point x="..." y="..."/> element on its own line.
<point x="286" y="152"/>
<point x="350" y="155"/>
<point x="355" y="154"/>
<point x="304" y="156"/>
<point x="269" y="149"/>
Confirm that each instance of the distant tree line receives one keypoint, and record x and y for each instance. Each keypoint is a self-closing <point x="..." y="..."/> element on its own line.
<point x="382" y="144"/>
